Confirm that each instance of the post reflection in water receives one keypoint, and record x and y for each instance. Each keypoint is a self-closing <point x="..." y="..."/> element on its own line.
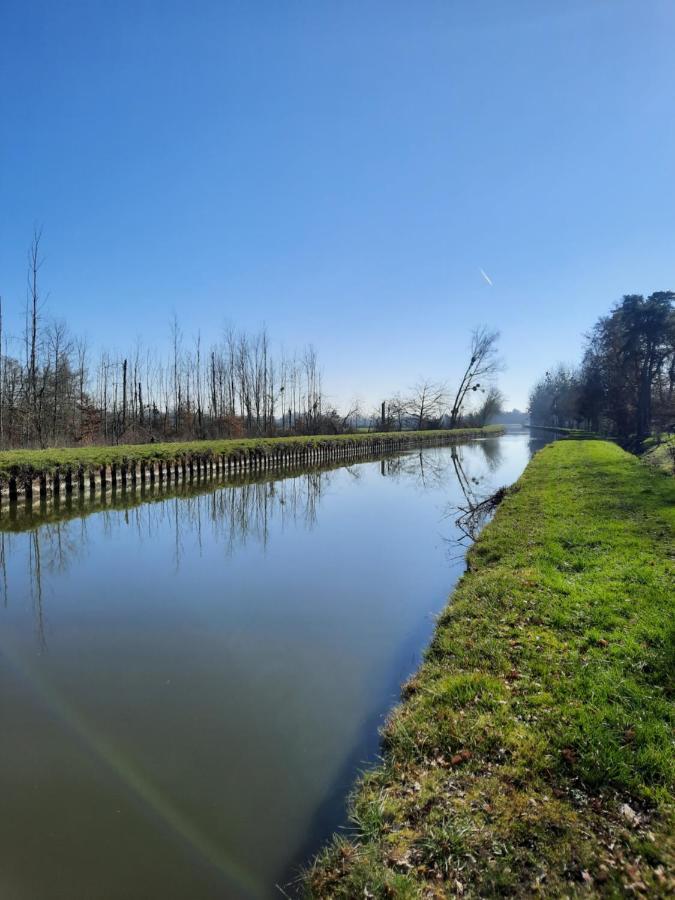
<point x="232" y="515"/>
<point x="192" y="680"/>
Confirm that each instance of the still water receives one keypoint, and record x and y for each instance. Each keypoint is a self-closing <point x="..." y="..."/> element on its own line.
<point x="189" y="686"/>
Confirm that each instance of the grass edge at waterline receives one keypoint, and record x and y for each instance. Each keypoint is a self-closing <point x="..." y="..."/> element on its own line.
<point x="532" y="752"/>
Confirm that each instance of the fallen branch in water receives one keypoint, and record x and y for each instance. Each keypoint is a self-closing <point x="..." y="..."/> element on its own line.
<point x="473" y="516"/>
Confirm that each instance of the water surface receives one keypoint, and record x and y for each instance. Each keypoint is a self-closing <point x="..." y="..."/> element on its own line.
<point x="190" y="686"/>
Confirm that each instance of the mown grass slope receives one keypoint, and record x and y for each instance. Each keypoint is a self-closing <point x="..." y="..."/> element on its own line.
<point x="661" y="453"/>
<point x="533" y="752"/>
<point x="577" y="433"/>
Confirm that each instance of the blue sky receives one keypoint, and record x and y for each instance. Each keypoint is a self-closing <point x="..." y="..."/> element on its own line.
<point x="341" y="171"/>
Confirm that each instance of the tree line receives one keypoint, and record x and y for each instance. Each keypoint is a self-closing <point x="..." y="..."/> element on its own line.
<point x="54" y="390"/>
<point x="625" y="385"/>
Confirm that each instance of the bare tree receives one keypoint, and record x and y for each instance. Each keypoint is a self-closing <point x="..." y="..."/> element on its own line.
<point x="32" y="325"/>
<point x="482" y="367"/>
<point x="124" y="395"/>
<point x="428" y="400"/>
<point x="397" y="412"/>
<point x="176" y="339"/>
<point x="81" y="350"/>
<point x="59" y="347"/>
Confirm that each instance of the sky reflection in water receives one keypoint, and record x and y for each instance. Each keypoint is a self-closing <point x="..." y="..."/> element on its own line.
<point x="190" y="685"/>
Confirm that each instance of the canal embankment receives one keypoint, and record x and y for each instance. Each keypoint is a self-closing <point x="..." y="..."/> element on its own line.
<point x="532" y="753"/>
<point x="659" y="451"/>
<point x="56" y="472"/>
<point x="575" y="433"/>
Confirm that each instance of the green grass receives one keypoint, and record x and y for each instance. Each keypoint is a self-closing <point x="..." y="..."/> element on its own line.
<point x="36" y="462"/>
<point x="576" y="433"/>
<point x="532" y="754"/>
<point x="661" y="453"/>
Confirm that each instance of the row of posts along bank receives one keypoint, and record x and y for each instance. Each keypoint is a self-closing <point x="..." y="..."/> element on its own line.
<point x="186" y="467"/>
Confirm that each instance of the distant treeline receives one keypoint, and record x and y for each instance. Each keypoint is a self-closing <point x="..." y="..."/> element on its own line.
<point x="55" y="391"/>
<point x="625" y="385"/>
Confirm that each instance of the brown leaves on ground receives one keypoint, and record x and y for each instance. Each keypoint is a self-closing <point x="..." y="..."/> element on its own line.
<point x="461" y="757"/>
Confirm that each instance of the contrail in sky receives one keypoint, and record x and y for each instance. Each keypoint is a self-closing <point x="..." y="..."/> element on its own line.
<point x="486" y="277"/>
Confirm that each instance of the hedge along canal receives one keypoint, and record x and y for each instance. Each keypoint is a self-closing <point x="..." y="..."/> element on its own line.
<point x="191" y="685"/>
<point x="51" y="472"/>
<point x="532" y="753"/>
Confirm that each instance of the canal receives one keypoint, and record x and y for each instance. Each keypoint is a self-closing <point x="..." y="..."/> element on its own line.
<point x="189" y="686"/>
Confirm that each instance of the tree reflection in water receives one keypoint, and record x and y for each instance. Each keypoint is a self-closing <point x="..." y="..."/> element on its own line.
<point x="232" y="514"/>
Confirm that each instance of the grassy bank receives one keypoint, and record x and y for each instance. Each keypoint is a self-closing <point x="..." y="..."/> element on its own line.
<point x="661" y="453"/>
<point x="532" y="754"/>
<point x="576" y="433"/>
<point x="21" y="462"/>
